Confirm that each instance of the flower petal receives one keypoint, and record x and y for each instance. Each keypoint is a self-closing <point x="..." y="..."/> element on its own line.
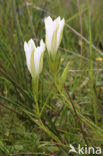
<point x="54" y="31"/>
<point x="34" y="57"/>
<point x="60" y="32"/>
<point x="31" y="44"/>
<point x="37" y="55"/>
<point x="28" y="52"/>
<point x="51" y="33"/>
<point x="55" y="28"/>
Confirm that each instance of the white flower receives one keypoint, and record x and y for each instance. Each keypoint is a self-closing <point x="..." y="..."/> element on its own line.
<point x="34" y="57"/>
<point x="54" y="31"/>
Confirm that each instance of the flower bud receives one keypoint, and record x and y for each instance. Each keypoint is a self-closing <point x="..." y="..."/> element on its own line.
<point x="34" y="57"/>
<point x="54" y="31"/>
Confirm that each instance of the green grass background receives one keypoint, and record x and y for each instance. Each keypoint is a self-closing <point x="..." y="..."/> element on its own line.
<point x="82" y="46"/>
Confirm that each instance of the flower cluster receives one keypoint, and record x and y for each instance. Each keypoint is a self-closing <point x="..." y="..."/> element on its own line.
<point x="34" y="55"/>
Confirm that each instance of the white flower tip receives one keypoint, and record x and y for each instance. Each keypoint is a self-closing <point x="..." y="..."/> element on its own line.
<point x="31" y="43"/>
<point x="48" y="20"/>
<point x="41" y="41"/>
<point x="58" y="18"/>
<point x="25" y="46"/>
<point x="42" y="44"/>
<point x="25" y="43"/>
<point x="63" y="20"/>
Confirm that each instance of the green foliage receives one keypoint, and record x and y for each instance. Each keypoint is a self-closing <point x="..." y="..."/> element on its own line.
<point x="23" y="131"/>
<point x="63" y="77"/>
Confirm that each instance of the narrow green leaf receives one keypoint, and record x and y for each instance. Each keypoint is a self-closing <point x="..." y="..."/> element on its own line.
<point x="63" y="77"/>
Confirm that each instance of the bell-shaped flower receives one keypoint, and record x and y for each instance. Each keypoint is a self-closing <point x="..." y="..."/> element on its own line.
<point x="54" y="32"/>
<point x="34" y="57"/>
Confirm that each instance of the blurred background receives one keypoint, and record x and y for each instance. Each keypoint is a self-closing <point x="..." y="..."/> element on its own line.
<point x="82" y="46"/>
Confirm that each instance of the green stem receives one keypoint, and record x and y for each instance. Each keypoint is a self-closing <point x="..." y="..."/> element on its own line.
<point x="91" y="74"/>
<point x="35" y="93"/>
<point x="43" y="127"/>
<point x="77" y="117"/>
<point x="72" y="108"/>
<point x="40" y="123"/>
